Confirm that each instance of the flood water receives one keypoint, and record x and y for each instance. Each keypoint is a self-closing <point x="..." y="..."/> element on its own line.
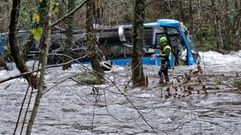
<point x="205" y="103"/>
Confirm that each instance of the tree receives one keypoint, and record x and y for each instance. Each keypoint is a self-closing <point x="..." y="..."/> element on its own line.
<point x="181" y="11"/>
<point x="138" y="77"/>
<point x="217" y="26"/>
<point x="98" y="11"/>
<point x="238" y="35"/>
<point x="232" y="24"/>
<point x="69" y="34"/>
<point x="45" y="14"/>
<point x="190" y="14"/>
<point x="91" y="39"/>
<point x="199" y="29"/>
<point x="15" y="53"/>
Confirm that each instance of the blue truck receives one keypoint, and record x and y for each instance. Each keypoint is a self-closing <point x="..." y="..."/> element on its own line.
<point x="117" y="47"/>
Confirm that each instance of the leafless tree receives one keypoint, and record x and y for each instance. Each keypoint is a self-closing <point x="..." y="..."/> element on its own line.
<point x="138" y="77"/>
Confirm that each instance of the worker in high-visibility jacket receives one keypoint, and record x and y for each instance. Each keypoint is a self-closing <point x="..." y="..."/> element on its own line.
<point x="165" y="55"/>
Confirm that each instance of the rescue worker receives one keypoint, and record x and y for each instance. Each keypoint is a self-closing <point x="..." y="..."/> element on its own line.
<point x="165" y="60"/>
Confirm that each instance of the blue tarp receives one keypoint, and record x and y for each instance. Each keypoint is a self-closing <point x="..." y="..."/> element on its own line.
<point x="145" y="61"/>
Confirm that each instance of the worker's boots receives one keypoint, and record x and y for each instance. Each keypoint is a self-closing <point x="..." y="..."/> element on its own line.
<point x="167" y="79"/>
<point x="161" y="81"/>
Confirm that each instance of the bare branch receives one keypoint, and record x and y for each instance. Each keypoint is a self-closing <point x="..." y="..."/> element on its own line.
<point x="21" y="110"/>
<point x="30" y="72"/>
<point x="70" y="13"/>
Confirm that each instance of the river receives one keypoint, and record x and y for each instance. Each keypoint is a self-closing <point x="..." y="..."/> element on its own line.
<point x="206" y="103"/>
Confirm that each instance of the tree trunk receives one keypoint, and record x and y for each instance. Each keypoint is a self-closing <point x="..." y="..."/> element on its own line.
<point x="190" y="16"/>
<point x="217" y="26"/>
<point x="27" y="46"/>
<point x="18" y="59"/>
<point x="91" y="39"/>
<point x="44" y="43"/>
<point x="238" y="31"/>
<point x="138" y="77"/>
<point x="228" y="30"/>
<point x="181" y="11"/>
<point x="69" y="35"/>
<point x="98" y="12"/>
<point x="200" y="19"/>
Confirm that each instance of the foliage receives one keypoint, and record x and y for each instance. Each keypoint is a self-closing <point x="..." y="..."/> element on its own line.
<point x="55" y="7"/>
<point x="39" y="19"/>
<point x="37" y="33"/>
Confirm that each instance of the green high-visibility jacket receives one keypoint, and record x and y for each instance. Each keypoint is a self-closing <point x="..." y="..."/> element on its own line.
<point x="166" y="53"/>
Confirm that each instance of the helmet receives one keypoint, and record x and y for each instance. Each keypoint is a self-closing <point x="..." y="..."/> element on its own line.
<point x="163" y="40"/>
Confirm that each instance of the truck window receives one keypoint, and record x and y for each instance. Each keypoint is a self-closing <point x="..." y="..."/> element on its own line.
<point x="148" y="37"/>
